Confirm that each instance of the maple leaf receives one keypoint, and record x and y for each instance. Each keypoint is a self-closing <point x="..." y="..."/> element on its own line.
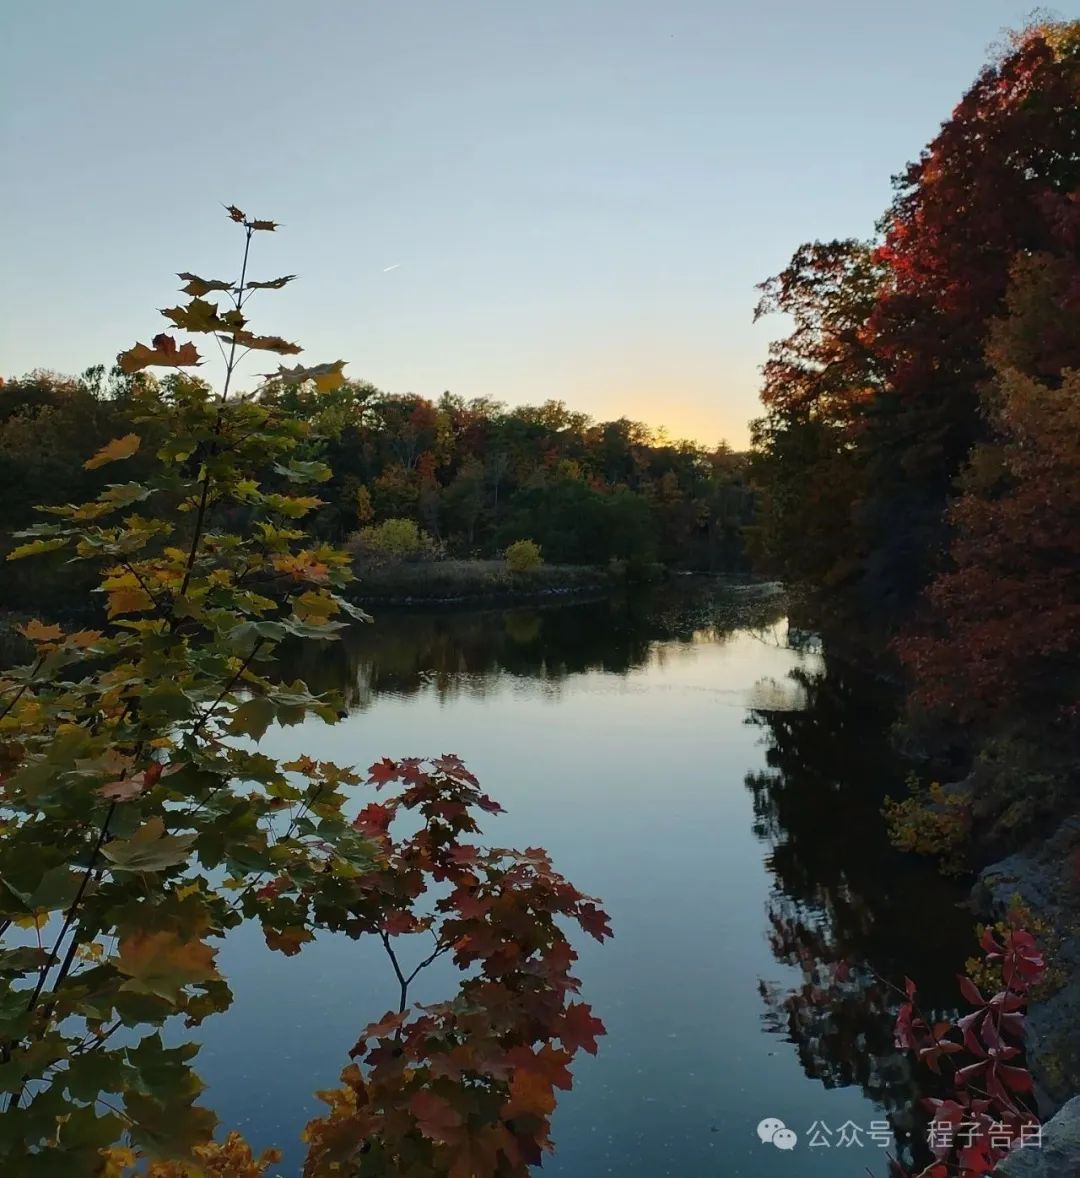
<point x="531" y="1094"/>
<point x="373" y="819"/>
<point x="84" y="639"/>
<point x="198" y="315"/>
<point x="548" y="1062"/>
<point x="124" y="790"/>
<point x="327" y="377"/>
<point x="113" y="451"/>
<point x="470" y="906"/>
<point x="385" y="1026"/>
<point x="200" y="286"/>
<point x="594" y="921"/>
<point x="126" y="595"/>
<point x="273" y="284"/>
<point x="478" y="1153"/>
<point x="302" y="565"/>
<point x="234" y="213"/>
<point x="164" y="353"/>
<point x="148" y="849"/>
<point x="382" y="772"/>
<point x="578" y="1029"/>
<point x="162" y="963"/>
<point x="436" y="1118"/>
<point x="289" y="940"/>
<point x="37" y="631"/>
<point x="131" y="787"/>
<point x="399" y="922"/>
<point x="264" y="343"/>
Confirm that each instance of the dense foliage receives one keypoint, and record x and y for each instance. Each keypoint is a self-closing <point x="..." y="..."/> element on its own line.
<point x="918" y="456"/>
<point x="141" y="822"/>
<point x="472" y="476"/>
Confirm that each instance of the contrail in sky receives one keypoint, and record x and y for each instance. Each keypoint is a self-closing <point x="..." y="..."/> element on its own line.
<point x="387" y="269"/>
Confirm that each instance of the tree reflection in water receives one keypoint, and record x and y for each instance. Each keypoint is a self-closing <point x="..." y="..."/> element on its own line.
<point x="847" y="909"/>
<point x="472" y="652"/>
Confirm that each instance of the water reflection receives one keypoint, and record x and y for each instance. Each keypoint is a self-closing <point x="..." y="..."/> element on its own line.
<point x="475" y="652"/>
<point x="722" y="793"/>
<point x="847" y="909"/>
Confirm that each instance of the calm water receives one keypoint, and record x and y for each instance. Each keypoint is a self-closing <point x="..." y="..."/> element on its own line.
<point x="720" y="791"/>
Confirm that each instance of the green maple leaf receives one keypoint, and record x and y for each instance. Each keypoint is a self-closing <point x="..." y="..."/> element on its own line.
<point x="253" y="717"/>
<point x="148" y="849"/>
<point x="167" y="1130"/>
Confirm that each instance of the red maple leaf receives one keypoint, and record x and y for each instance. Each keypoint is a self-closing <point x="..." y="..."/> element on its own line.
<point x="548" y="1062"/>
<point x="373" y="819"/>
<point x="578" y="1029"/>
<point x="594" y="921"/>
<point x="382" y="772"/>
<point x="436" y="1118"/>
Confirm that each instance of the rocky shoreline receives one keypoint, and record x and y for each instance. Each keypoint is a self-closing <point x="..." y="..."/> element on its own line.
<point x="1044" y="878"/>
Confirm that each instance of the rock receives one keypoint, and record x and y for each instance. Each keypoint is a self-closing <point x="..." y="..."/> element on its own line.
<point x="1058" y="1155"/>
<point x="1045" y="881"/>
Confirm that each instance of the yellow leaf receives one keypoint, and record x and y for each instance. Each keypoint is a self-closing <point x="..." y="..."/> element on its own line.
<point x="162" y="963"/>
<point x="315" y="607"/>
<point x="126" y="596"/>
<point x="199" y="286"/>
<point x="327" y="377"/>
<point x="38" y="632"/>
<point x="113" y="451"/>
<point x="199" y="315"/>
<point x="273" y="284"/>
<point x="84" y="638"/>
<point x="265" y="343"/>
<point x="302" y="565"/>
<point x="164" y="352"/>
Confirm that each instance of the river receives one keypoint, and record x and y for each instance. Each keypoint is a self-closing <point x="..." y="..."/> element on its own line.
<point x="720" y="791"/>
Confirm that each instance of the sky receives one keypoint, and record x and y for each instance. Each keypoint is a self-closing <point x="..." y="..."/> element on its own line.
<point x="569" y="200"/>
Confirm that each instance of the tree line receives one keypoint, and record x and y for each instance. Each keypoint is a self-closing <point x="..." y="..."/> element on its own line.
<point x="474" y="475"/>
<point x="918" y="457"/>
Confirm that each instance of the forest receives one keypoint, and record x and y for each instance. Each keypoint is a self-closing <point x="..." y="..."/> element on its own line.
<point x="474" y="476"/>
<point x="918" y="458"/>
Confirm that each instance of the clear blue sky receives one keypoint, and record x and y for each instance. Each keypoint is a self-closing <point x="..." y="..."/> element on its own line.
<point x="579" y="195"/>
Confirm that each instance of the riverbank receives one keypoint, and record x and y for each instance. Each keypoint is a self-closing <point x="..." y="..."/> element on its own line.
<point x="453" y="582"/>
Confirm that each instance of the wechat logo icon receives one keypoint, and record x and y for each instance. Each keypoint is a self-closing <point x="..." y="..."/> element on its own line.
<point x="773" y="1131"/>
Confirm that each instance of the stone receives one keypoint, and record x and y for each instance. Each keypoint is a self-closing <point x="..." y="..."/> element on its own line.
<point x="1044" y="879"/>
<point x="1058" y="1154"/>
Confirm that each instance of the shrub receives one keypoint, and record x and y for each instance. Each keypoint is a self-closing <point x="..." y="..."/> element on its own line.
<point x="931" y="820"/>
<point x="400" y="538"/>
<point x="523" y="555"/>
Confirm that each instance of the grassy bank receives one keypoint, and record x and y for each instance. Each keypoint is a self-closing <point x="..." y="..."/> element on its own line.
<point x="434" y="582"/>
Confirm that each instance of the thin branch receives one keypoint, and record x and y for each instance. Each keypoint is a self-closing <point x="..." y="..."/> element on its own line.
<point x="403" y="982"/>
<point x="230" y="368"/>
<point x="23" y="688"/>
<point x="70" y="917"/>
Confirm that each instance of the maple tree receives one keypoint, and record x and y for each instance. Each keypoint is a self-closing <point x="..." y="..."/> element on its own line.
<point x="141" y="822"/>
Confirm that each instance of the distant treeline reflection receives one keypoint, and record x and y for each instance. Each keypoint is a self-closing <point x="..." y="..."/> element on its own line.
<point x="471" y="652"/>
